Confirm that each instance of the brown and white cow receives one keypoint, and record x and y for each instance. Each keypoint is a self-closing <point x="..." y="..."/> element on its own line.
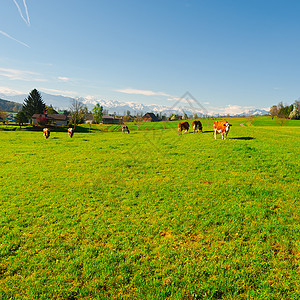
<point x="46" y="133"/>
<point x="221" y="127"/>
<point x="70" y="132"/>
<point x="197" y="126"/>
<point x="183" y="126"/>
<point x="125" y="129"/>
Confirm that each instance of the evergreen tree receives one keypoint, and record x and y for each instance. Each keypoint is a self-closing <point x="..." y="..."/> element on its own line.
<point x="21" y="118"/>
<point x="33" y="104"/>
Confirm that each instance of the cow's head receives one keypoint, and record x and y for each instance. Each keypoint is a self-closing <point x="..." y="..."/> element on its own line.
<point x="227" y="126"/>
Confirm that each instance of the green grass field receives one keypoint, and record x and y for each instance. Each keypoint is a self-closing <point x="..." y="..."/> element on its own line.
<point x="151" y="214"/>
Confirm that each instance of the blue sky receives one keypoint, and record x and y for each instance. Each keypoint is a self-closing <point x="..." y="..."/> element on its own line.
<point x="229" y="54"/>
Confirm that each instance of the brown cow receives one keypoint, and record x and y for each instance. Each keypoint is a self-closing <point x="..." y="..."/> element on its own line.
<point x="70" y="132"/>
<point x="125" y="129"/>
<point x="197" y="126"/>
<point x="183" y="126"/>
<point x="221" y="127"/>
<point x="46" y="133"/>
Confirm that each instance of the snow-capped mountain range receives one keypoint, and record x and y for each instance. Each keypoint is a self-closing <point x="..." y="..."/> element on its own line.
<point x="118" y="107"/>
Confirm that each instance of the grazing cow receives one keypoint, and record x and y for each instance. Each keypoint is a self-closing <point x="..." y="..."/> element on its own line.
<point x="46" y="133"/>
<point x="183" y="126"/>
<point x="125" y="129"/>
<point x="221" y="127"/>
<point x="197" y="126"/>
<point x="70" y="132"/>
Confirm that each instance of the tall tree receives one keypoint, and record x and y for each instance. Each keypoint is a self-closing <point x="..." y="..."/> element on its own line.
<point x="21" y="118"/>
<point x="97" y="113"/>
<point x="274" y="111"/>
<point x="285" y="111"/>
<point x="33" y="104"/>
<point x="78" y="111"/>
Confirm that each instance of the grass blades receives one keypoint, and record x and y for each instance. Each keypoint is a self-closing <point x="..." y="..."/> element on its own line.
<point x="150" y="214"/>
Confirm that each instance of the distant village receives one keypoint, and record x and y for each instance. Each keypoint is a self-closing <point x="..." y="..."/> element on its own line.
<point x="62" y="119"/>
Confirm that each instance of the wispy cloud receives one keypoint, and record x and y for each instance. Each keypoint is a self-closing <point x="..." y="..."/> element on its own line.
<point x="26" y="20"/>
<point x="10" y="92"/>
<point x="142" y="92"/>
<point x="63" y="78"/>
<point x="13" y="74"/>
<point x="230" y="109"/>
<point x="60" y="92"/>
<point x="12" y="38"/>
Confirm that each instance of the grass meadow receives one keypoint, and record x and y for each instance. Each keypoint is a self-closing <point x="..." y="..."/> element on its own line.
<point x="151" y="214"/>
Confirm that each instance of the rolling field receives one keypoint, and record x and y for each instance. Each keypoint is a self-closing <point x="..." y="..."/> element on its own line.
<point x="151" y="215"/>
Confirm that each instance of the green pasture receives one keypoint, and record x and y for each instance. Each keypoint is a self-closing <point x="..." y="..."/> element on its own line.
<point x="151" y="214"/>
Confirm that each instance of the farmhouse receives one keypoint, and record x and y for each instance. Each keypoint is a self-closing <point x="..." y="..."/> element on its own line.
<point x="150" y="117"/>
<point x="106" y="119"/>
<point x="56" y="119"/>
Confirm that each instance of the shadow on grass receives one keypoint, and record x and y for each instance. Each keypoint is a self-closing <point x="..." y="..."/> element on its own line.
<point x="206" y="131"/>
<point x="245" y="138"/>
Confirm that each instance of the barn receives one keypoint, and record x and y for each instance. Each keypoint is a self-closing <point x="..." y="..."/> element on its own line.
<point x="150" y="117"/>
<point x="106" y="119"/>
<point x="55" y="119"/>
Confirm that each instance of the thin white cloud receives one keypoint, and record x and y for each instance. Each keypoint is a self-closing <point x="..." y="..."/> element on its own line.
<point x="12" y="38"/>
<point x="10" y="92"/>
<point x="60" y="92"/>
<point x="13" y="74"/>
<point x="183" y="100"/>
<point x="230" y="109"/>
<point x="26" y="20"/>
<point x="63" y="78"/>
<point x="174" y="99"/>
<point x="142" y="92"/>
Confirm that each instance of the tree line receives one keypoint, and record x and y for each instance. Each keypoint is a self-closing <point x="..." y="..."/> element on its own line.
<point x="286" y="111"/>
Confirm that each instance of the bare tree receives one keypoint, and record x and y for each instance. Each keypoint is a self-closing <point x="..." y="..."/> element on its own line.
<point x="77" y="110"/>
<point x="274" y="111"/>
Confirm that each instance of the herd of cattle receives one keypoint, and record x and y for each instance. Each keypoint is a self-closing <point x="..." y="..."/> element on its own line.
<point x="46" y="132"/>
<point x="221" y="127"/>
